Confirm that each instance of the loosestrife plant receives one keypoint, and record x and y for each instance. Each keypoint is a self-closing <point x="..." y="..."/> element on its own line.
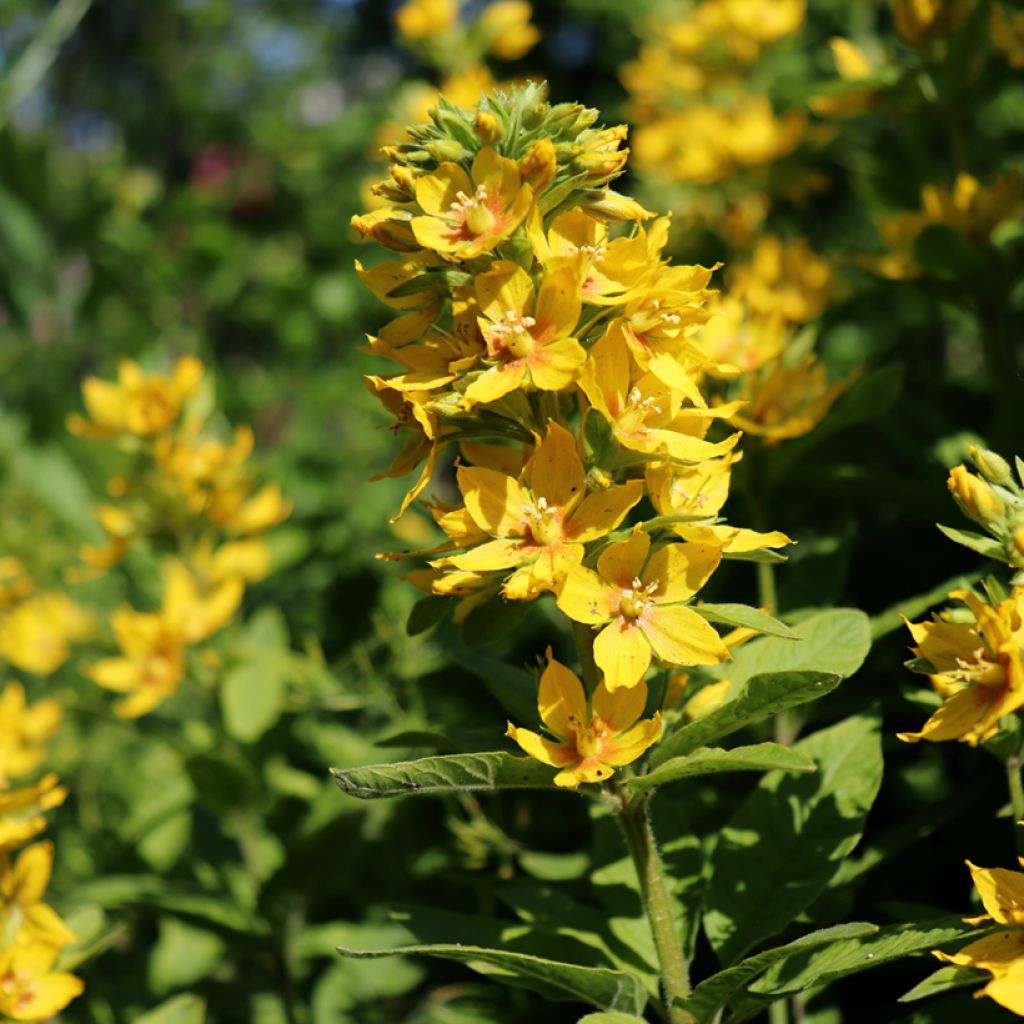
<point x="547" y="346"/>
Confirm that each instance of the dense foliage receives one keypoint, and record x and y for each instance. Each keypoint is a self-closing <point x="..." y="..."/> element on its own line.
<point x="674" y="363"/>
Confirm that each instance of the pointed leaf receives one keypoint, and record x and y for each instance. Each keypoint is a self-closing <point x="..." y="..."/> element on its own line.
<point x="752" y="700"/>
<point x="987" y="546"/>
<point x="758" y="757"/>
<point x="849" y="956"/>
<point x="790" y="837"/>
<point x="599" y="986"/>
<point x="744" y="615"/>
<point x="944" y="980"/>
<point x="448" y="773"/>
<point x="714" y="993"/>
<point x="611" y="1018"/>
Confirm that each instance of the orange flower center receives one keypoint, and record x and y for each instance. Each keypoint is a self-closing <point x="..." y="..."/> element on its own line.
<point x="590" y="740"/>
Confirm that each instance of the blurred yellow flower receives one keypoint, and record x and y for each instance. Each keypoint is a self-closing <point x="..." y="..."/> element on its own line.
<point x="24" y="731"/>
<point x="36" y="634"/>
<point x="138" y="403"/>
<point x="22" y="809"/>
<point x="24" y="919"/>
<point x="590" y="741"/>
<point x="425" y="19"/>
<point x="30" y="989"/>
<point x="784" y="278"/>
<point x="505" y="25"/>
<point x="1007" y="34"/>
<point x="920" y="21"/>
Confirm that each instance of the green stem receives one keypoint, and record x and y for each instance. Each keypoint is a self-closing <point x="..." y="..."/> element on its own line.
<point x="675" y="977"/>
<point x="766" y="593"/>
<point x="584" y="637"/>
<point x="1013" y="779"/>
<point x="778" y="1013"/>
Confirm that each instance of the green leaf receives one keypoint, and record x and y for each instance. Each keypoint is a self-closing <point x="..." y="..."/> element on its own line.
<point x="944" y="980"/>
<point x="749" y="701"/>
<point x="450" y="773"/>
<point x="836" y="641"/>
<point x="987" y="546"/>
<point x="252" y="697"/>
<point x="599" y="986"/>
<point x="744" y="615"/>
<point x="759" y="757"/>
<point x="611" y="1018"/>
<point x="790" y="837"/>
<point x="714" y="993"/>
<point x="489" y="622"/>
<point x="513" y="688"/>
<point x="426" y="613"/>
<point x="183" y="1009"/>
<point x="849" y="956"/>
<point x="183" y="955"/>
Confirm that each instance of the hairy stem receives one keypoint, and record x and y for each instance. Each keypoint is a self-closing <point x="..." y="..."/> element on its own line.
<point x="1013" y="779"/>
<point x="584" y="637"/>
<point x="675" y="977"/>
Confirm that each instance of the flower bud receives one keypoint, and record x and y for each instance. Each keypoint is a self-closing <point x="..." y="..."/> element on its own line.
<point x="993" y="467"/>
<point x="1018" y="540"/>
<point x="540" y="165"/>
<point x="487" y="126"/>
<point x="447" y="150"/>
<point x="974" y="496"/>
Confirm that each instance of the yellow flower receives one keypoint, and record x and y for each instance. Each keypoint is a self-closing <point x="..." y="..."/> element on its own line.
<point x="247" y="559"/>
<point x="15" y="581"/>
<point x="787" y="401"/>
<point x="506" y="27"/>
<point x="21" y="810"/>
<point x="467" y="215"/>
<point x="30" y="989"/>
<point x="540" y="522"/>
<point x="786" y="279"/>
<point x="426" y="19"/>
<point x="976" y="498"/>
<point x="1002" y="953"/>
<point x="153" y="643"/>
<point x="853" y="65"/>
<point x="921" y="20"/>
<point x="763" y="20"/>
<point x="978" y="668"/>
<point x="645" y="416"/>
<point x="973" y="209"/>
<point x="24" y="918"/>
<point x="24" y="731"/>
<point x="738" y="341"/>
<point x="638" y="600"/>
<point x="529" y="341"/>
<point x="36" y="635"/>
<point x="138" y="403"/>
<point x="590" y="741"/>
<point x="1007" y="34"/>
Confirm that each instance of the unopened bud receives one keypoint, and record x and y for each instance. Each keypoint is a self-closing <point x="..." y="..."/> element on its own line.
<point x="389" y="227"/>
<point x="613" y="205"/>
<point x="487" y="126"/>
<point x="1018" y="540"/>
<point x="539" y="166"/>
<point x="993" y="467"/>
<point x="447" y="150"/>
<point x="975" y="497"/>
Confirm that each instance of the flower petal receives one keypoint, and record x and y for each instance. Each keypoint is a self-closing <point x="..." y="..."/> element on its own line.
<point x="543" y="750"/>
<point x="955" y="719"/>
<point x="555" y="471"/>
<point x="620" y="708"/>
<point x="680" y="570"/>
<point x="681" y="637"/>
<point x="436" y="192"/>
<point x="598" y="514"/>
<point x="628" y="747"/>
<point x="554" y="366"/>
<point x="585" y="597"/>
<point x="622" y="653"/>
<point x="622" y="562"/>
<point x="505" y="288"/>
<point x="561" y="697"/>
<point x="1001" y="892"/>
<point x="494" y="500"/>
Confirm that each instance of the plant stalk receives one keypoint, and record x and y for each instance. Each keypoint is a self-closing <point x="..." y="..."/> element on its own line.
<point x="675" y="976"/>
<point x="1013" y="779"/>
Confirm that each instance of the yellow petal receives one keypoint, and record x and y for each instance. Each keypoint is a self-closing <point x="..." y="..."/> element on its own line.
<point x="1007" y="988"/>
<point x="560" y="698"/>
<point x="494" y="500"/>
<point x="505" y="288"/>
<point x="31" y="874"/>
<point x="543" y="750"/>
<point x="557" y="364"/>
<point x="622" y="653"/>
<point x="436" y="192"/>
<point x="631" y="745"/>
<point x="956" y="718"/>
<point x="498" y="174"/>
<point x="598" y="514"/>
<point x="1001" y="892"/>
<point x="555" y="471"/>
<point x="495" y="383"/>
<point x="558" y="304"/>
<point x="681" y="637"/>
<point x="585" y="597"/>
<point x="622" y="562"/>
<point x="990" y="953"/>
<point x="680" y="570"/>
<point x="620" y="708"/>
<point x="495" y="554"/>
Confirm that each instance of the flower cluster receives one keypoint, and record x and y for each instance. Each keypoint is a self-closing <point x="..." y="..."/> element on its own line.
<point x="974" y="660"/>
<point x="31" y="933"/>
<point x="544" y="339"/>
<point x="185" y="493"/>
